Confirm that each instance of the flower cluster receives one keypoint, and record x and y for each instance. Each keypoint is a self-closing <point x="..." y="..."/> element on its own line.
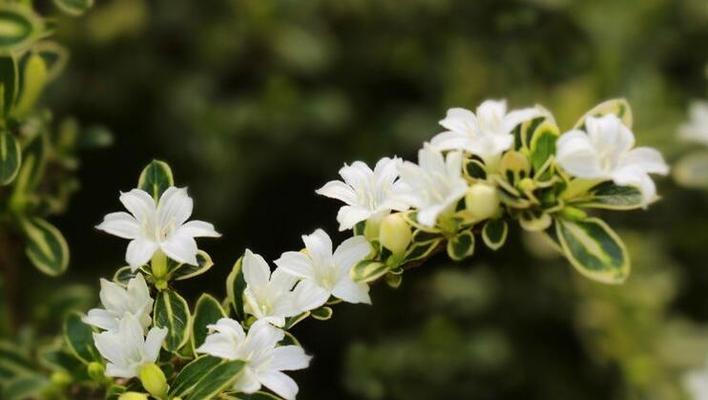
<point x="489" y="168"/>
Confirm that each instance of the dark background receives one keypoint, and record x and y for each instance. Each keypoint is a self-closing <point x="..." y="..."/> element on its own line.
<point x="256" y="103"/>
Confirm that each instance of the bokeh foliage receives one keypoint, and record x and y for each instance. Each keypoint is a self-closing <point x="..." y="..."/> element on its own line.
<point x="258" y="102"/>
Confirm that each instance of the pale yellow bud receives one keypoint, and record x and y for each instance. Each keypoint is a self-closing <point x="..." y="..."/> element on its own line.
<point x="153" y="380"/>
<point x="482" y="201"/>
<point x="133" y="396"/>
<point x="394" y="233"/>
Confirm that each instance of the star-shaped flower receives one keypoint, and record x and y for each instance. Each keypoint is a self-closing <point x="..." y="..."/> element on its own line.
<point x="366" y="192"/>
<point x="328" y="271"/>
<point x="605" y="151"/>
<point x="487" y="133"/>
<point x="126" y="349"/>
<point x="264" y="360"/>
<point x="117" y="301"/>
<point x="157" y="226"/>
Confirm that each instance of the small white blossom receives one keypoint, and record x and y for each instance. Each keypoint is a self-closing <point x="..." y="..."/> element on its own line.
<point x="367" y="193"/>
<point x="434" y="184"/>
<point x="696" y="383"/>
<point x="487" y="133"/>
<point x="270" y="296"/>
<point x="328" y="271"/>
<point x="696" y="129"/>
<point x="264" y="360"/>
<point x="605" y="151"/>
<point x="162" y="226"/>
<point x="126" y="349"/>
<point x="117" y="301"/>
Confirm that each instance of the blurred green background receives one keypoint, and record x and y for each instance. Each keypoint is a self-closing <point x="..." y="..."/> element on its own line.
<point x="256" y="103"/>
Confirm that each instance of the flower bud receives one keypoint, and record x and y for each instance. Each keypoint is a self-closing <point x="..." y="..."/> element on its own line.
<point x="60" y="378"/>
<point x="153" y="380"/>
<point x="482" y="201"/>
<point x="133" y="396"/>
<point x="96" y="371"/>
<point x="395" y="233"/>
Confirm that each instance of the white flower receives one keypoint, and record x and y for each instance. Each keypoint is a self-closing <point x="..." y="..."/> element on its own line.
<point x="367" y="193"/>
<point x="434" y="184"/>
<point x="126" y="349"/>
<point x="328" y="271"/>
<point x="696" y="383"/>
<point x="606" y="152"/>
<point x="696" y="129"/>
<point x="162" y="226"/>
<point x="270" y="296"/>
<point x="264" y="362"/>
<point x="486" y="134"/>
<point x="134" y="300"/>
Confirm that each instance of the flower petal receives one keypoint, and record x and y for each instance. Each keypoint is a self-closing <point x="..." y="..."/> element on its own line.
<point x="139" y="252"/>
<point x="350" y="291"/>
<point x="175" y="207"/>
<point x="255" y="270"/>
<point x="289" y="358"/>
<point x="319" y="246"/>
<point x="459" y="120"/>
<point x="120" y="224"/>
<point x="296" y="264"/>
<point x="139" y="203"/>
<point x="309" y="296"/>
<point x="181" y="248"/>
<point x="247" y="381"/>
<point x="101" y="318"/>
<point x="348" y="216"/>
<point x="153" y="343"/>
<point x="576" y="154"/>
<point x="452" y="140"/>
<point x="351" y="251"/>
<point x="647" y="159"/>
<point x="338" y="190"/>
<point x="198" y="228"/>
<point x="281" y="384"/>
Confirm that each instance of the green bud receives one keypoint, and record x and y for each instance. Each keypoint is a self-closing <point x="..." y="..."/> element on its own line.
<point x="153" y="380"/>
<point x="394" y="233"/>
<point x="60" y="378"/>
<point x="133" y="396"/>
<point x="371" y="229"/>
<point x="97" y="371"/>
<point x="573" y="214"/>
<point x="34" y="78"/>
<point x="158" y="263"/>
<point x="482" y="201"/>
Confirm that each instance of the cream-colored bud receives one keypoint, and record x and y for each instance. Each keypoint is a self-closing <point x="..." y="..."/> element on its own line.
<point x="153" y="380"/>
<point x="482" y="201"/>
<point x="133" y="396"/>
<point x="394" y="233"/>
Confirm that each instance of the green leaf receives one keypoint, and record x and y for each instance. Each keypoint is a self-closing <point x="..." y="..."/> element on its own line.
<point x="9" y="82"/>
<point x="186" y="271"/>
<point x="594" y="249"/>
<point x="79" y="338"/>
<point x="419" y="251"/>
<point x="619" y="107"/>
<point x="34" y="76"/>
<point x="54" y="357"/>
<point x="13" y="362"/>
<point x="204" y="378"/>
<point x="10" y="157"/>
<point x="125" y="274"/>
<point x="461" y="246"/>
<point x="34" y="158"/>
<point x="19" y="27"/>
<point x="235" y="285"/>
<point x="255" y="396"/>
<point x="172" y="312"/>
<point x="155" y="178"/>
<point x="367" y="271"/>
<point x="25" y="387"/>
<point x="543" y="144"/>
<point x="74" y="7"/>
<point x="607" y="195"/>
<point x="55" y="57"/>
<point x="292" y="321"/>
<point x="535" y="220"/>
<point x="322" y="314"/>
<point x="46" y="246"/>
<point x="207" y="311"/>
<point x="475" y="169"/>
<point x="494" y="233"/>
